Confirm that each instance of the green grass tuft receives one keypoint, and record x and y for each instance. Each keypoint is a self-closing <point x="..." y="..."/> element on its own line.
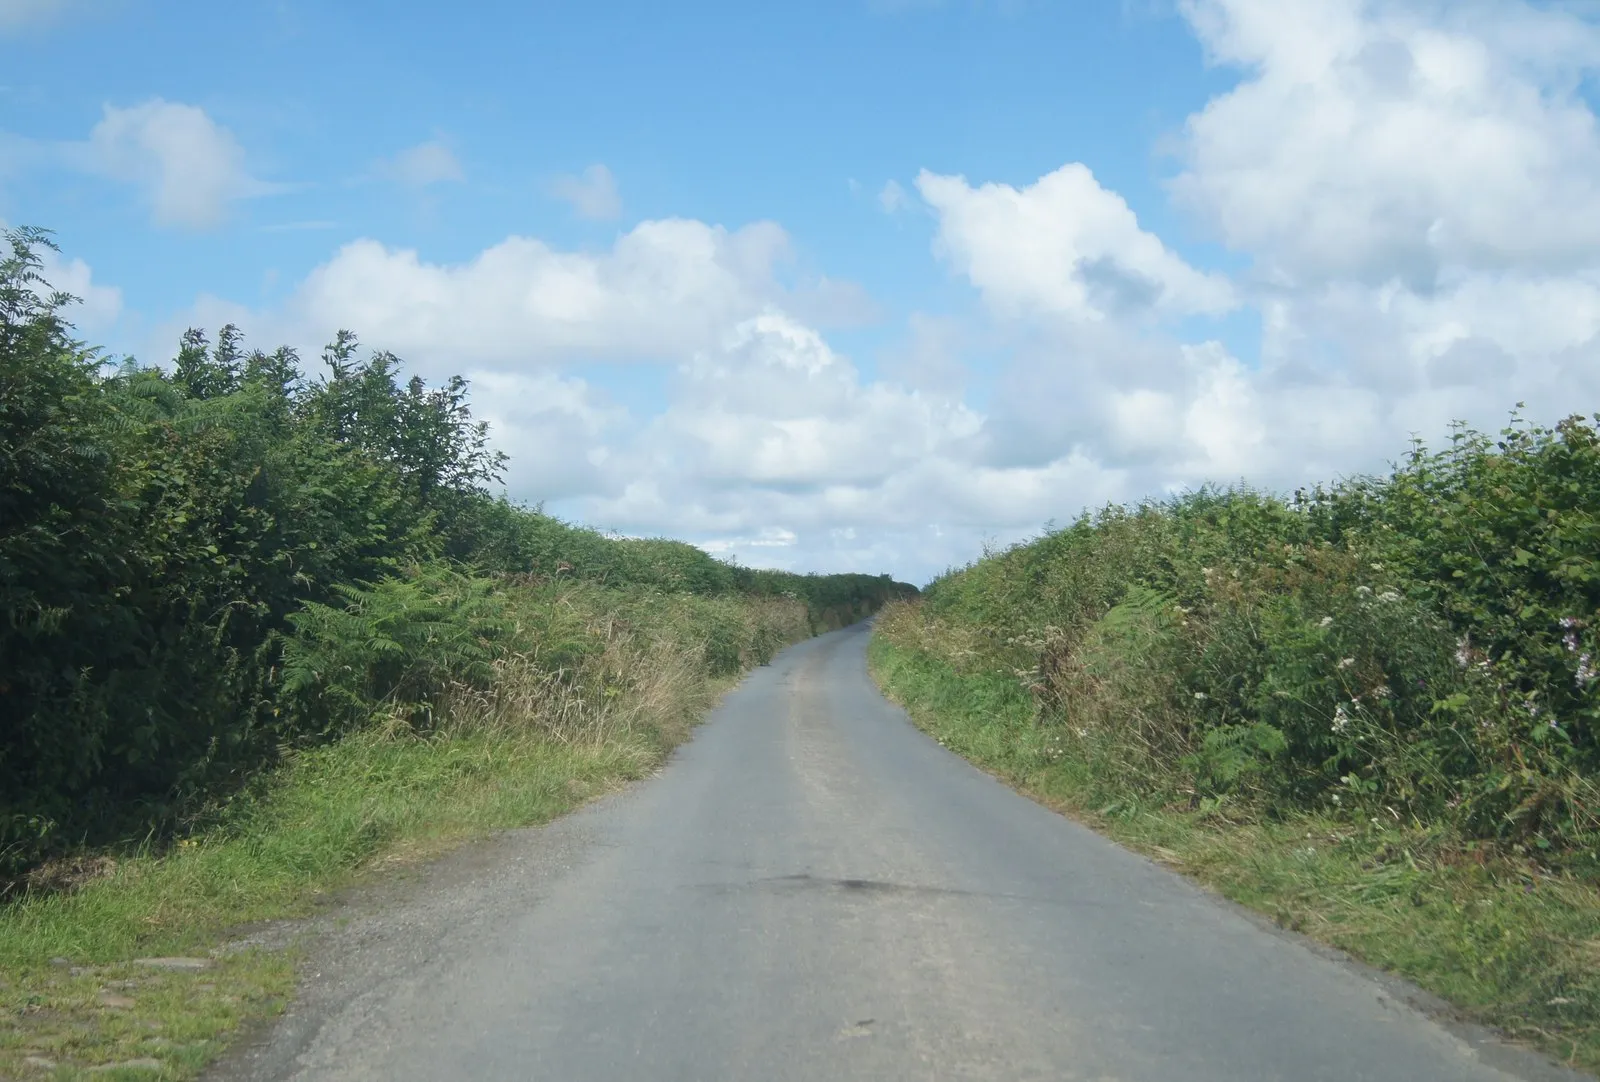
<point x="69" y="991"/>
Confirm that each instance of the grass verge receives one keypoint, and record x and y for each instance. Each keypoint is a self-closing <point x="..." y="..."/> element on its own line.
<point x="136" y="975"/>
<point x="1509" y="943"/>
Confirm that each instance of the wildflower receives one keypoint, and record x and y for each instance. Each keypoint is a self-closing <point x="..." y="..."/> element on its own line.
<point x="1326" y="621"/>
<point x="1200" y="696"/>
<point x="1570" y="640"/>
<point x="1377" y="567"/>
<point x="1571" y="623"/>
<point x="1346" y="662"/>
<point x="1363" y="591"/>
<point x="1586" y="670"/>
<point x="1389" y="596"/>
<point x="1464" y="651"/>
<point x="1380" y="692"/>
<point x="1083" y="732"/>
<point x="1341" y="720"/>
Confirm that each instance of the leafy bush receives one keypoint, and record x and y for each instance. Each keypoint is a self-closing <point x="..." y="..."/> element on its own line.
<point x="394" y="648"/>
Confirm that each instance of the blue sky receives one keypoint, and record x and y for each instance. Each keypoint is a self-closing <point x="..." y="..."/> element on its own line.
<point x="860" y="283"/>
<point x="726" y="113"/>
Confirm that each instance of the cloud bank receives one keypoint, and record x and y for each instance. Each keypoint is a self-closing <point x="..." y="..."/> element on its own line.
<point x="1410" y="192"/>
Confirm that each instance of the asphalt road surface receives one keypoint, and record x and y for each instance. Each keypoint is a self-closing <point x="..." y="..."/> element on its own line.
<point x="812" y="889"/>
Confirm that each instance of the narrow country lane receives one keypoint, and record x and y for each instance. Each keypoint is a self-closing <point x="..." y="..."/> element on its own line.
<point x="814" y="890"/>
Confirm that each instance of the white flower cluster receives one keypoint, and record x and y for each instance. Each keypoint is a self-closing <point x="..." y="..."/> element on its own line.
<point x="1586" y="672"/>
<point x="1341" y="719"/>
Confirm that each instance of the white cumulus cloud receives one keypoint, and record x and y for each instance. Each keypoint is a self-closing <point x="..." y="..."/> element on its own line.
<point x="1383" y="141"/>
<point x="664" y="289"/>
<point x="189" y="165"/>
<point x="1064" y="246"/>
<point x="559" y="431"/>
<point x="774" y="404"/>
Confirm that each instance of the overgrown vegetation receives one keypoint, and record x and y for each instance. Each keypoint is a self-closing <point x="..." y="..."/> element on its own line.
<point x="1402" y="668"/>
<point x="205" y="568"/>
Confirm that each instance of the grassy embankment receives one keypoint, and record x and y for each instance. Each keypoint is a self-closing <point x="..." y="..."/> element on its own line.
<point x="1368" y="712"/>
<point x="265" y="633"/>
